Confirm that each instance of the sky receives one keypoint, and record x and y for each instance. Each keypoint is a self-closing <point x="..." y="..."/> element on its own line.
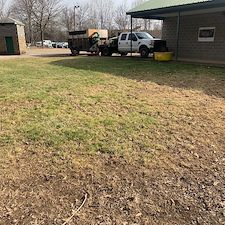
<point x="74" y="2"/>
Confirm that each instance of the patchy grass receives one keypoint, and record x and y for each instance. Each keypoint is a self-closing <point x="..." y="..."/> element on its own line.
<point x="110" y="127"/>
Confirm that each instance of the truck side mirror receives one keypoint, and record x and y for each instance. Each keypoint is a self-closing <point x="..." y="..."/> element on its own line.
<point x="134" y="39"/>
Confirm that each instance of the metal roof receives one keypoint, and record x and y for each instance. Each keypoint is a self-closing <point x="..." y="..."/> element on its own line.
<point x="10" y="21"/>
<point x="160" y="9"/>
<point x="160" y="4"/>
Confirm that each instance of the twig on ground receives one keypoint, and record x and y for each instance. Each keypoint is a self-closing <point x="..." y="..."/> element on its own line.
<point x="76" y="211"/>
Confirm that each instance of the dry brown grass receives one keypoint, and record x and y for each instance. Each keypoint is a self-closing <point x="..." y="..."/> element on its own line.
<point x="143" y="140"/>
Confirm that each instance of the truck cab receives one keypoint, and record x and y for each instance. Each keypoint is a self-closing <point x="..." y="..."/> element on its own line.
<point x="127" y="42"/>
<point x="140" y="42"/>
<point x="136" y="42"/>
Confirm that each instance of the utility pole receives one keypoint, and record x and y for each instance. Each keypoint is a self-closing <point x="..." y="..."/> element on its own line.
<point x="74" y="19"/>
<point x="101" y="20"/>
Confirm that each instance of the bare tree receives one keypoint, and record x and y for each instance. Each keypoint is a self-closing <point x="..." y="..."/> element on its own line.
<point x="37" y="15"/>
<point x="93" y="18"/>
<point x="44" y="12"/>
<point x="66" y="19"/>
<point x="2" y="5"/>
<point x="82" y="15"/>
<point x="145" y="24"/>
<point x="101" y="14"/>
<point x="122" y="21"/>
<point x="47" y="19"/>
<point x="23" y="10"/>
<point x="141" y="24"/>
<point x="4" y="11"/>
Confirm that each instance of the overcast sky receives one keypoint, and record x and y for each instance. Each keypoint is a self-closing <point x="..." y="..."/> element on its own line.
<point x="74" y="2"/>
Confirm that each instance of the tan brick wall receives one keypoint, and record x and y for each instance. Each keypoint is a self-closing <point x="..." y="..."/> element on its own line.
<point x="8" y="30"/>
<point x="189" y="46"/>
<point x="3" y="49"/>
<point x="16" y="45"/>
<point x="21" y="39"/>
<point x="18" y="35"/>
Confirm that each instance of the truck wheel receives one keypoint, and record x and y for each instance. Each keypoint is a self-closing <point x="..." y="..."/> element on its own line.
<point x="144" y="52"/>
<point x="106" y="52"/>
<point x="77" y="51"/>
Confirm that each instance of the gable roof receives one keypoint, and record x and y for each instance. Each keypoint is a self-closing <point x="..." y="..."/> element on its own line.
<point x="155" y="8"/>
<point x="10" y="21"/>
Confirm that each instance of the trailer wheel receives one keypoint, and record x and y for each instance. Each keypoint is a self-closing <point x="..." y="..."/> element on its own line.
<point x="77" y="51"/>
<point x="106" y="52"/>
<point x="144" y="52"/>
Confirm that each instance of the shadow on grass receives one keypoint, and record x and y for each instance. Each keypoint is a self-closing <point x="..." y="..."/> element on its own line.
<point x="58" y="55"/>
<point x="210" y="80"/>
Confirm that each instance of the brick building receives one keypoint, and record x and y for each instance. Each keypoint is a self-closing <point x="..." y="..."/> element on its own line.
<point x="192" y="28"/>
<point x="12" y="37"/>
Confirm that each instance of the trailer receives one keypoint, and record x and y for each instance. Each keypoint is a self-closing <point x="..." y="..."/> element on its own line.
<point x="87" y="40"/>
<point x="97" y="41"/>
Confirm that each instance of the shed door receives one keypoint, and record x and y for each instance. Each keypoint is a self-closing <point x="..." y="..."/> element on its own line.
<point x="10" y="46"/>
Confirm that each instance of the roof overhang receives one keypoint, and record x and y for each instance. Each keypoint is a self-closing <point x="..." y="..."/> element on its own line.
<point x="190" y="9"/>
<point x="11" y="21"/>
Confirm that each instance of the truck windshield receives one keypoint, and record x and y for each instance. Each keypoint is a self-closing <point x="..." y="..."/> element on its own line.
<point x="144" y="36"/>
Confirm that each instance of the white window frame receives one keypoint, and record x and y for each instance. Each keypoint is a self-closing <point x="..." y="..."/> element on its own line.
<point x="206" y="39"/>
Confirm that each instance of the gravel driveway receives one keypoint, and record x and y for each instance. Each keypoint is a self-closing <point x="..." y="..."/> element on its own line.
<point x="47" y="52"/>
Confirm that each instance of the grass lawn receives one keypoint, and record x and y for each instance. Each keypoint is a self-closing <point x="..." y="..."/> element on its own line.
<point x="136" y="141"/>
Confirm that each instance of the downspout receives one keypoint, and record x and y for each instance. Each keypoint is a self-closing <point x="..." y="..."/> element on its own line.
<point x="177" y="36"/>
<point x="131" y="31"/>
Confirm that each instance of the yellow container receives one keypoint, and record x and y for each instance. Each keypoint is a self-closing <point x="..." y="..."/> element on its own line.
<point x="163" y="56"/>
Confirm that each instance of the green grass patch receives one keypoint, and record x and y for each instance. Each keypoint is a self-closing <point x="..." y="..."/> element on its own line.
<point x="93" y="104"/>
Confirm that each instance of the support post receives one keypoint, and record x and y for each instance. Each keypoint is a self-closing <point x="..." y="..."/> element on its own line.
<point x="74" y="16"/>
<point x="131" y="31"/>
<point x="177" y="36"/>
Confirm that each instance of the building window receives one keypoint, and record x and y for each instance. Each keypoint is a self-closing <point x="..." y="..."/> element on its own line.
<point x="206" y="34"/>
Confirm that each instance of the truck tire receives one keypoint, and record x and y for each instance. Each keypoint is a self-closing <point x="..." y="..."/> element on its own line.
<point x="144" y="51"/>
<point x="106" y="52"/>
<point x="77" y="51"/>
<point x="74" y="51"/>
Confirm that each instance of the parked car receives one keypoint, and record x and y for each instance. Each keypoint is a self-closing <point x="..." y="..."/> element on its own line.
<point x="54" y="44"/>
<point x="65" y="44"/>
<point x="46" y="43"/>
<point x="39" y="44"/>
<point x="60" y="44"/>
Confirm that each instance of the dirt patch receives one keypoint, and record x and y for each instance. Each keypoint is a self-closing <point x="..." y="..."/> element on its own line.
<point x="47" y="52"/>
<point x="184" y="184"/>
<point x="173" y="169"/>
<point x="119" y="191"/>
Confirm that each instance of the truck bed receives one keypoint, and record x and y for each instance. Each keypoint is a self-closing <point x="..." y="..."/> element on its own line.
<point x="83" y="44"/>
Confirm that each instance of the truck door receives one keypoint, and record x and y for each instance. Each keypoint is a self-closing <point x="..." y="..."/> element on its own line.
<point x="135" y="47"/>
<point x="122" y="44"/>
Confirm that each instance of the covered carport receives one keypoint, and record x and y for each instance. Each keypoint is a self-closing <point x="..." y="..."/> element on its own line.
<point x="193" y="29"/>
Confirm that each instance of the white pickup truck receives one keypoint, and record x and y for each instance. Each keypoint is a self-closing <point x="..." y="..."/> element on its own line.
<point x="140" y="42"/>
